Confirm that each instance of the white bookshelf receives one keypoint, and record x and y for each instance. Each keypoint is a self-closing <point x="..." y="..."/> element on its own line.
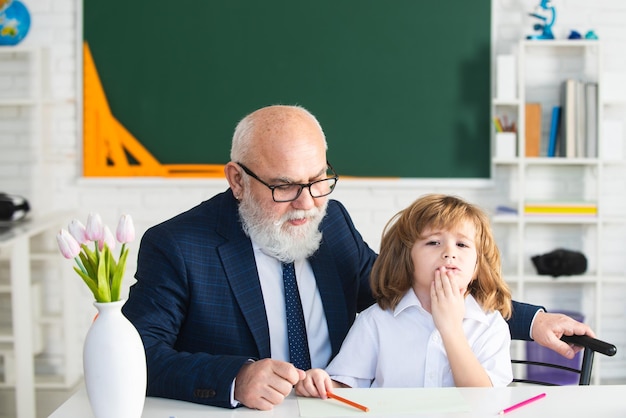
<point x="542" y="65"/>
<point x="36" y="292"/>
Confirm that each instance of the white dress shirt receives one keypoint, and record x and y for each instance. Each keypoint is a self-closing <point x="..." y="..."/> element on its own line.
<point x="271" y="277"/>
<point x="402" y="348"/>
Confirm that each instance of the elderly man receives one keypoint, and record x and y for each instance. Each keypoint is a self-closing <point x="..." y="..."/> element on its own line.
<point x="219" y="325"/>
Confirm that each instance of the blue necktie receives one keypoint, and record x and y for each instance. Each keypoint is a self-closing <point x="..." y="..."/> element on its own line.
<point x="296" y="329"/>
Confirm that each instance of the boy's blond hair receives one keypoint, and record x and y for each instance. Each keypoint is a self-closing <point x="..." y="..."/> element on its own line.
<point x="392" y="273"/>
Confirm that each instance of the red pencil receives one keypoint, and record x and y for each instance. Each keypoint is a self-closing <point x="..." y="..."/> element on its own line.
<point x="519" y="405"/>
<point x="346" y="401"/>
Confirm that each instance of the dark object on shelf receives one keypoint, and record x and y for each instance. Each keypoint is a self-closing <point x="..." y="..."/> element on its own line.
<point x="13" y="208"/>
<point x="574" y="35"/>
<point x="560" y="262"/>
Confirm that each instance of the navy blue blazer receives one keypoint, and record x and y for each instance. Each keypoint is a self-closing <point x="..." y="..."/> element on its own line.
<point x="198" y="306"/>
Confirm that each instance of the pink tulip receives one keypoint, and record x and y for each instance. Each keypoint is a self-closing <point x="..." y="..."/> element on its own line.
<point x="98" y="268"/>
<point x="107" y="239"/>
<point x="78" y="231"/>
<point x="125" y="229"/>
<point x="69" y="247"/>
<point x="94" y="230"/>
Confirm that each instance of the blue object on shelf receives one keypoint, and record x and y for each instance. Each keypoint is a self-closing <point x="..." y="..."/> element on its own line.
<point x="574" y="35"/>
<point x="554" y="131"/>
<point x="548" y="20"/>
<point x="506" y="210"/>
<point x="536" y="352"/>
<point x="14" y="22"/>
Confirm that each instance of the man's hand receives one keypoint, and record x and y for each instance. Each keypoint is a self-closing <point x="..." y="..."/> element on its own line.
<point x="548" y="328"/>
<point x="265" y="383"/>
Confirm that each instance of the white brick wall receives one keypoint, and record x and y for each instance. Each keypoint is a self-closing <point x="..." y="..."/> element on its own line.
<point x="54" y="182"/>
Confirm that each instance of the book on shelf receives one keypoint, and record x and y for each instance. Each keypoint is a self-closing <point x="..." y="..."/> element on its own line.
<point x="579" y="119"/>
<point x="591" y="121"/>
<point x="533" y="129"/>
<point x="553" y="139"/>
<point x="581" y="130"/>
<point x="568" y="119"/>
<point x="561" y="208"/>
<point x="506" y="210"/>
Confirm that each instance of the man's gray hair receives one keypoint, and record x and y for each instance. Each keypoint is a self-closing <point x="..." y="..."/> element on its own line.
<point x="244" y="133"/>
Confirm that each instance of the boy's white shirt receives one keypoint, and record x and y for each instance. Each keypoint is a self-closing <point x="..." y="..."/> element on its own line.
<point x="402" y="348"/>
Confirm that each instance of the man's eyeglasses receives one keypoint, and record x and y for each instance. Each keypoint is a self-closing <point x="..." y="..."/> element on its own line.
<point x="289" y="192"/>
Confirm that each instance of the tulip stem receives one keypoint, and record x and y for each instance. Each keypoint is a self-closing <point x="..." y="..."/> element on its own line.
<point x="80" y="265"/>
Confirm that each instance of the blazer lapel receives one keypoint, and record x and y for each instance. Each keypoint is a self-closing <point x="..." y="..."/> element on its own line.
<point x="239" y="264"/>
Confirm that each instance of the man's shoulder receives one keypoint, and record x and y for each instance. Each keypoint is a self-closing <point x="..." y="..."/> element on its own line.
<point x="336" y="215"/>
<point x="335" y="205"/>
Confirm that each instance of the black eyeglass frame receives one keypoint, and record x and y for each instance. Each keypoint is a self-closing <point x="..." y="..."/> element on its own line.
<point x="302" y="185"/>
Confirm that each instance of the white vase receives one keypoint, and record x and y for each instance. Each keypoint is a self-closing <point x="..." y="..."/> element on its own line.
<point x="114" y="363"/>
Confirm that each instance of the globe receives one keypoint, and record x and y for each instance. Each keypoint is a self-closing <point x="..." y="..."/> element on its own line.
<point x="14" y="22"/>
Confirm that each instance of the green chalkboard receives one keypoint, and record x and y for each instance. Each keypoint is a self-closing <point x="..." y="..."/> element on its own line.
<point x="401" y="87"/>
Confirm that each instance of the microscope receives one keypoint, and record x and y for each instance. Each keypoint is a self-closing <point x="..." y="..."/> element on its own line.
<point x="547" y="14"/>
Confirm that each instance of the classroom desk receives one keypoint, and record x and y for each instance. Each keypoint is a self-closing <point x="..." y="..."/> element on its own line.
<point x="571" y="401"/>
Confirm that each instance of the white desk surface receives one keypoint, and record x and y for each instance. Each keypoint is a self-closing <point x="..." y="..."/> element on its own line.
<point x="571" y="401"/>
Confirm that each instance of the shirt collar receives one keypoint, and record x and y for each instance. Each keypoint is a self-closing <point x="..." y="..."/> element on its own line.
<point x="472" y="308"/>
<point x="408" y="300"/>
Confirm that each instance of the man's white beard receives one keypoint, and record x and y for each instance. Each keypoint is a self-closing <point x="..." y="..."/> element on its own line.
<point x="278" y="238"/>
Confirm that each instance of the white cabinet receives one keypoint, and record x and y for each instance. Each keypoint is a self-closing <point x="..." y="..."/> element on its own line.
<point x="39" y="347"/>
<point x="38" y="301"/>
<point x="542" y="68"/>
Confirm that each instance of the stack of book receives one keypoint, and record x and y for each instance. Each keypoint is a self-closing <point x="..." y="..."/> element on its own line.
<point x="574" y="124"/>
<point x="560" y="208"/>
